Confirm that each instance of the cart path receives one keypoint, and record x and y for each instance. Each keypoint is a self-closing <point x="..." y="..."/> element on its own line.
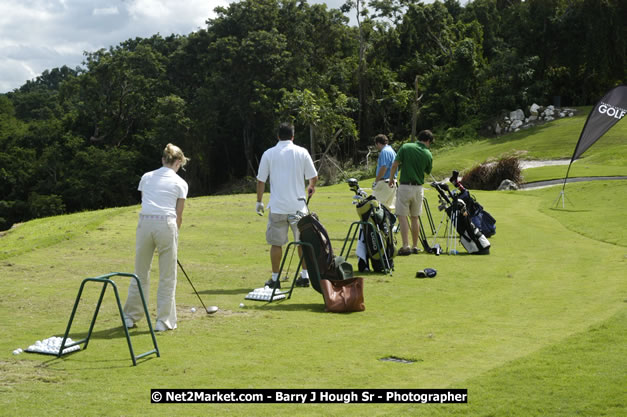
<point x="550" y="183"/>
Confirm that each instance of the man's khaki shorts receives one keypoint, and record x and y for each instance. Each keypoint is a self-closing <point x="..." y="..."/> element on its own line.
<point x="276" y="233"/>
<point x="409" y="200"/>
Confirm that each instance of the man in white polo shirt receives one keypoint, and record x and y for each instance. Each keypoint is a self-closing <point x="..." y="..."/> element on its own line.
<point x="287" y="166"/>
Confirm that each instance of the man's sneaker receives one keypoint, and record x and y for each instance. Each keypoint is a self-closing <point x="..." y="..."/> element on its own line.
<point x="273" y="284"/>
<point x="302" y="282"/>
<point x="415" y="250"/>
<point x="129" y="323"/>
<point x="160" y="326"/>
<point x="404" y="251"/>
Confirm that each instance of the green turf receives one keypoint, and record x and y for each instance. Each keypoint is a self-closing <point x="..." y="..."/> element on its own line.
<point x="536" y="328"/>
<point x="550" y="294"/>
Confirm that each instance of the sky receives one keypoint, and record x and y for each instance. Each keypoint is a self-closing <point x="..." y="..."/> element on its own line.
<point x="39" y="35"/>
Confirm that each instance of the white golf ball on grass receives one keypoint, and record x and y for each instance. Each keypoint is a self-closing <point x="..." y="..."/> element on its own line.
<point x="193" y="309"/>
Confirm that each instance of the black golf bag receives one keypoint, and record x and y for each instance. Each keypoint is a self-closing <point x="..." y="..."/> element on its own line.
<point x="378" y="235"/>
<point x="331" y="267"/>
<point x="479" y="217"/>
<point x="471" y="237"/>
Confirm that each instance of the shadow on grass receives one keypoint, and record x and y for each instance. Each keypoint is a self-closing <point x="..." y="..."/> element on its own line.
<point x="314" y="308"/>
<point x="565" y="210"/>
<point x="111" y="333"/>
<point x="92" y="364"/>
<point x="232" y="291"/>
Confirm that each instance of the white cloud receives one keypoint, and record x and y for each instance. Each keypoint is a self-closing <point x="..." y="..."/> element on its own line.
<point x="105" y="11"/>
<point x="39" y="35"/>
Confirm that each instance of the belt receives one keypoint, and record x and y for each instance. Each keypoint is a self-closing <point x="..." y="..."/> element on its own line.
<point x="155" y="216"/>
<point x="409" y="183"/>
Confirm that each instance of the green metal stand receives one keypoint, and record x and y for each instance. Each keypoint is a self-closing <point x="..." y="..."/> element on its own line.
<point x="104" y="279"/>
<point x="315" y="274"/>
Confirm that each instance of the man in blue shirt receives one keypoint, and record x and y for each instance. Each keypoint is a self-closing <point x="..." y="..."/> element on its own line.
<point x="385" y="194"/>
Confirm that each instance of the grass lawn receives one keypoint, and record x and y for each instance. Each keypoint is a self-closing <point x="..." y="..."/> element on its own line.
<point x="535" y="328"/>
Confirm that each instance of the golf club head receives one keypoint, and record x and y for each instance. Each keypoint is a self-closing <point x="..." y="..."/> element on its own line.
<point x="353" y="184"/>
<point x="212" y="309"/>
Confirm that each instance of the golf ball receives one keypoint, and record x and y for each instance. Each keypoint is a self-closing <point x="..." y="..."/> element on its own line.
<point x="193" y="309"/>
<point x="241" y="305"/>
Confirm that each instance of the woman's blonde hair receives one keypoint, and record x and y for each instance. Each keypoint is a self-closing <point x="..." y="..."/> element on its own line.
<point x="173" y="153"/>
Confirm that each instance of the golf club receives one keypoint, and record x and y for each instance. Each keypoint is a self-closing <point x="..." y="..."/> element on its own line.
<point x="210" y="309"/>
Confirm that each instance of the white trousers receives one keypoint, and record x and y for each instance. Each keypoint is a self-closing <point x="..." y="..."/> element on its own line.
<point x="161" y="233"/>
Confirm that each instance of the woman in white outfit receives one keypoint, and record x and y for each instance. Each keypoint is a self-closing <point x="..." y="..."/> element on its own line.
<point x="163" y="199"/>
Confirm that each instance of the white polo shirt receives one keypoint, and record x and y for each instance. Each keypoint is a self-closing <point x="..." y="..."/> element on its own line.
<point x="160" y="190"/>
<point x="288" y="166"/>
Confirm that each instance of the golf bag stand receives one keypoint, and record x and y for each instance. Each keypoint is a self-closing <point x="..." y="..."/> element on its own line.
<point x="425" y="205"/>
<point x="421" y="233"/>
<point x="314" y="274"/>
<point x="450" y="235"/>
<point x="362" y="227"/>
<point x="106" y="280"/>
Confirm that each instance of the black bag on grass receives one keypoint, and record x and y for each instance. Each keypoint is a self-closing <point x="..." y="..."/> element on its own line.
<point x="470" y="235"/>
<point x="479" y="217"/>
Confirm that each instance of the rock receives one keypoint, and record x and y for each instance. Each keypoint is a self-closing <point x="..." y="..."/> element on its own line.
<point x="517" y="114"/>
<point x="516" y="124"/>
<point x="515" y="120"/>
<point x="534" y="109"/>
<point x="507" y="185"/>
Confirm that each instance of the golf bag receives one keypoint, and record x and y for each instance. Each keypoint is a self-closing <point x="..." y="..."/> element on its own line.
<point x="471" y="237"/>
<point x="479" y="217"/>
<point x="379" y="234"/>
<point x="329" y="266"/>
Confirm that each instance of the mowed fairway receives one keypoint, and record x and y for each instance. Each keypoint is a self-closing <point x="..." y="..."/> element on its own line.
<point x="535" y="328"/>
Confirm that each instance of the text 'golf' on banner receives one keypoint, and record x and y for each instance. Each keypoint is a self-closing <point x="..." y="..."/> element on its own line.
<point x="310" y="396"/>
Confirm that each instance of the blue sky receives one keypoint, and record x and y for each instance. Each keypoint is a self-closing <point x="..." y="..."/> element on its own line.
<point x="36" y="35"/>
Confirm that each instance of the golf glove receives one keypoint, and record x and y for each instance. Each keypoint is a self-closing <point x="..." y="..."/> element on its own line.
<point x="259" y="208"/>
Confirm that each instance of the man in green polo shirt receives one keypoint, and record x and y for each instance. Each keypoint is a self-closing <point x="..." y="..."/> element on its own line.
<point x="415" y="160"/>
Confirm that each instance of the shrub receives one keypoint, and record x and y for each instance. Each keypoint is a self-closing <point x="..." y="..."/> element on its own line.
<point x="489" y="175"/>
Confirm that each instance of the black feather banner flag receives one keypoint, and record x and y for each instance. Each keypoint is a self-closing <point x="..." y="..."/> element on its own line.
<point x="605" y="114"/>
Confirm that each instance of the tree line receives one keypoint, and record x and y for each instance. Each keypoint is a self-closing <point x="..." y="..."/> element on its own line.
<point x="79" y="139"/>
